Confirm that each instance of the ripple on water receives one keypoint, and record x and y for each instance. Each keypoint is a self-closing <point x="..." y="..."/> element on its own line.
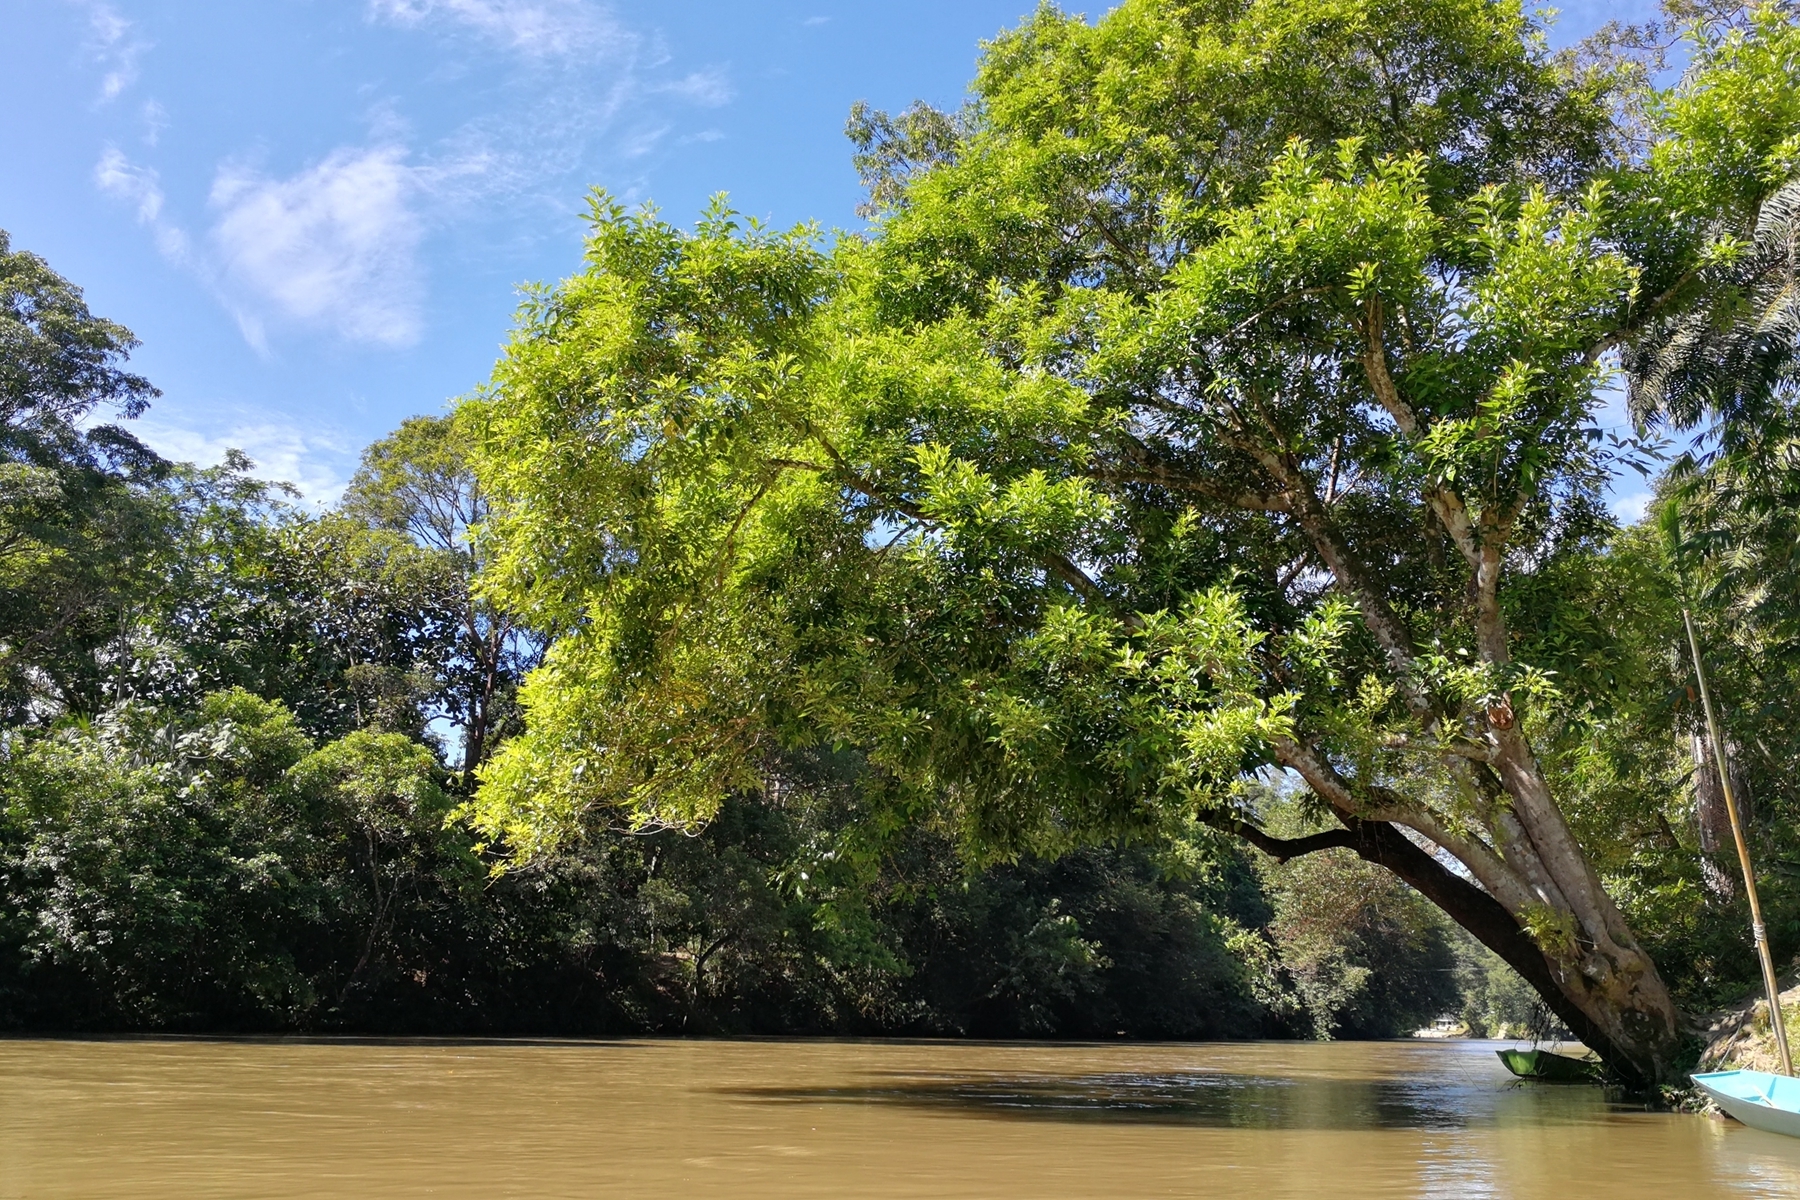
<point x="751" y="1119"/>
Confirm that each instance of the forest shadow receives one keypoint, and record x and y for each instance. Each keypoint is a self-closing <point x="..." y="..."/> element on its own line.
<point x="1215" y="1100"/>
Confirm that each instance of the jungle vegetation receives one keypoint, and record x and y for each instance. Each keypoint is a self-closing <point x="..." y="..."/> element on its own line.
<point x="1156" y="579"/>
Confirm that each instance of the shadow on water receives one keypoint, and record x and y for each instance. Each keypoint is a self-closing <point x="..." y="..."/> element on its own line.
<point x="381" y="1041"/>
<point x="1211" y="1099"/>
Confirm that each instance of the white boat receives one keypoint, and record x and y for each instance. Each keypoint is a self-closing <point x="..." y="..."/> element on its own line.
<point x="1757" y="1098"/>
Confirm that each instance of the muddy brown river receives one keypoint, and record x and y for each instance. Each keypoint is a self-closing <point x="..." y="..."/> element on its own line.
<point x="750" y="1119"/>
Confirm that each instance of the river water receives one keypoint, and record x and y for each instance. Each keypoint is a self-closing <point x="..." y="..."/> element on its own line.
<point x="751" y="1119"/>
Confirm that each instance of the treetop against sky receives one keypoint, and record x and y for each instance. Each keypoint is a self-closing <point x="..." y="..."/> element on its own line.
<point x="315" y="214"/>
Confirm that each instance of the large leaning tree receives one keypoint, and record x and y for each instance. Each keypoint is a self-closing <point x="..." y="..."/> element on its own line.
<point x="1215" y="395"/>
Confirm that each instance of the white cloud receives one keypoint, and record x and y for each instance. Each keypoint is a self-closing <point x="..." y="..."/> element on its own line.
<point x="581" y="69"/>
<point x="156" y="119"/>
<point x="1631" y="507"/>
<point x="339" y="246"/>
<point x="536" y="28"/>
<point x="114" y="44"/>
<point x="334" y="246"/>
<point x="315" y="462"/>
<point x="641" y="142"/>
<point x="118" y="176"/>
<point x="709" y="88"/>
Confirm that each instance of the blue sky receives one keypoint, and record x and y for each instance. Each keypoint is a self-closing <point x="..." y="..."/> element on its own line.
<point x="315" y="213"/>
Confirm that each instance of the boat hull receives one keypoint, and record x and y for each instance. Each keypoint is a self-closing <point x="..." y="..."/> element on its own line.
<point x="1546" y="1067"/>
<point x="1757" y="1098"/>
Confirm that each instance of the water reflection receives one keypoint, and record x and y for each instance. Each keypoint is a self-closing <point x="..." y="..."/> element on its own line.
<point x="1191" y="1098"/>
<point x="290" y="1118"/>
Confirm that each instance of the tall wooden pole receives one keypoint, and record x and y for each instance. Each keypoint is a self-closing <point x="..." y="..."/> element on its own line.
<point x="1757" y="929"/>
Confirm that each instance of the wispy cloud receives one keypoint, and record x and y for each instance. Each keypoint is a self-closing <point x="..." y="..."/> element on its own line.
<point x="338" y="245"/>
<point x="709" y="88"/>
<point x="155" y="119"/>
<point x="333" y="246"/>
<point x="118" y="176"/>
<point x="536" y="28"/>
<point x="641" y="141"/>
<point x="140" y="187"/>
<point x="114" y="43"/>
<point x="315" y="462"/>
<point x="577" y="70"/>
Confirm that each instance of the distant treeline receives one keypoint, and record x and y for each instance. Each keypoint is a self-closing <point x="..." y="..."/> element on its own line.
<point x="217" y="869"/>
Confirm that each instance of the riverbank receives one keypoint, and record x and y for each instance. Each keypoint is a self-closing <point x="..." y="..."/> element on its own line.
<point x="1740" y="1037"/>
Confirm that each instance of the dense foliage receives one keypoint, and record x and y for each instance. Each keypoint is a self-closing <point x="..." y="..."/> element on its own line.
<point x="1154" y="582"/>
<point x="1216" y="394"/>
<point x="236" y="732"/>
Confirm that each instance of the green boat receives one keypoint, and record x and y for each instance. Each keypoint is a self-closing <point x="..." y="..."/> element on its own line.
<point x="1550" y="1068"/>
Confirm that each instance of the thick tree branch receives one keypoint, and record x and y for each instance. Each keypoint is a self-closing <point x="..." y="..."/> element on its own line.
<point x="1390" y="633"/>
<point x="1381" y="382"/>
<point x="1083" y="584"/>
<point x="1476" y="911"/>
<point x="1383" y="844"/>
<point x="1280" y="849"/>
<point x="1445" y="504"/>
<point x="1490" y="622"/>
<point x="1563" y="859"/>
<point x="1493" y="872"/>
<point x="1453" y="515"/>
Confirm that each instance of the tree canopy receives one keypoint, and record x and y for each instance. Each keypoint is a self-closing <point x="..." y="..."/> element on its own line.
<point x="1218" y="393"/>
<point x="234" y="729"/>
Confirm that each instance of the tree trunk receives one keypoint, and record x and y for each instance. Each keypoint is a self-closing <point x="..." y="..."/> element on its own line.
<point x="1622" y="1012"/>
<point x="1529" y="893"/>
<point x="1718" y="862"/>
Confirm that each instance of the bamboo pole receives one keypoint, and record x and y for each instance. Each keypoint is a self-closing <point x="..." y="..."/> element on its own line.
<point x="1757" y="929"/>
